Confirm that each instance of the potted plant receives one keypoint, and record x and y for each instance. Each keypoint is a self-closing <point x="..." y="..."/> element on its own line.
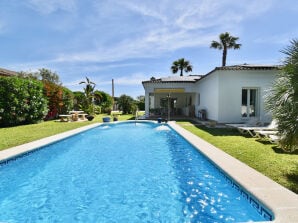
<point x="90" y="117"/>
<point x="115" y="118"/>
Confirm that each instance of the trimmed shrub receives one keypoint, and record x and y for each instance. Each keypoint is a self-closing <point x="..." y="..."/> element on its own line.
<point x="21" y="101"/>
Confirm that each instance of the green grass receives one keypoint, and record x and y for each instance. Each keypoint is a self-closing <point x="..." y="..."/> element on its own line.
<point x="18" y="135"/>
<point x="263" y="156"/>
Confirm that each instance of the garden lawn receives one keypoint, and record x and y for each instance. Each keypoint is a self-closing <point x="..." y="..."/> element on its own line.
<point x="14" y="136"/>
<point x="263" y="156"/>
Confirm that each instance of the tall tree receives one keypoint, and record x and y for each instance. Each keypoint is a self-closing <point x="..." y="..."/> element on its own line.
<point x="89" y="93"/>
<point x="125" y="103"/>
<point x="25" y="74"/>
<point x="226" y="41"/>
<point x="141" y="102"/>
<point x="282" y="99"/>
<point x="104" y="100"/>
<point x="181" y="65"/>
<point x="48" y="75"/>
<point x="88" y="89"/>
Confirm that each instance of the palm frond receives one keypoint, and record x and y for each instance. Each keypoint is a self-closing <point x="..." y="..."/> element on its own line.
<point x="216" y="45"/>
<point x="182" y="65"/>
<point x="282" y="99"/>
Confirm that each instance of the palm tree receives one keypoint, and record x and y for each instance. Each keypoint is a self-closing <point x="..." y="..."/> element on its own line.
<point x="182" y="65"/>
<point x="225" y="42"/>
<point x="282" y="99"/>
<point x="89" y="93"/>
<point x="88" y="89"/>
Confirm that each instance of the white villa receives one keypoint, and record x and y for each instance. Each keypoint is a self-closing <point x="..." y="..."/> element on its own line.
<point x="230" y="94"/>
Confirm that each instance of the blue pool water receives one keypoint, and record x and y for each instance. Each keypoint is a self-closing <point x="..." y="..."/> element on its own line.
<point x="119" y="173"/>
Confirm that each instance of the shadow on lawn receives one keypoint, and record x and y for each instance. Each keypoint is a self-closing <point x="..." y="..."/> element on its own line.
<point x="281" y="151"/>
<point x="213" y="130"/>
<point x="294" y="179"/>
<point x="265" y="142"/>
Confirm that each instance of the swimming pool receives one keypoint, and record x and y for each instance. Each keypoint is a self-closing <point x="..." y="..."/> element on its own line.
<point x="128" y="172"/>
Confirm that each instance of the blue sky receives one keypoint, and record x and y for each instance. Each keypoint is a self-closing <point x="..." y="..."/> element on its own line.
<point x="132" y="40"/>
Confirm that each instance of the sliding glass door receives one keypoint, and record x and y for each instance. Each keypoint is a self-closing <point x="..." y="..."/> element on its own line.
<point x="249" y="105"/>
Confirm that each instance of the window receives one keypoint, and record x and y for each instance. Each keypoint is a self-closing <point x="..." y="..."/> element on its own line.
<point x="249" y="105"/>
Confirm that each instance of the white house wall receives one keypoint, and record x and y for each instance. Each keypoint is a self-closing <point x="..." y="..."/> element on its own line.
<point x="219" y="93"/>
<point x="208" y="90"/>
<point x="231" y="83"/>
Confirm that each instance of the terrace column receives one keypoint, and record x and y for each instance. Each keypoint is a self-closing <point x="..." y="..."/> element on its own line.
<point x="147" y="106"/>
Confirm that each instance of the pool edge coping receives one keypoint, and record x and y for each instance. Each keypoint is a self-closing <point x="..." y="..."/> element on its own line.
<point x="282" y="202"/>
<point x="15" y="151"/>
<point x="278" y="199"/>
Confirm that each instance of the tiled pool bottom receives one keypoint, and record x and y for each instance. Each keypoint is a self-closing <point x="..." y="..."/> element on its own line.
<point x="282" y="202"/>
<point x="250" y="199"/>
<point x="236" y="185"/>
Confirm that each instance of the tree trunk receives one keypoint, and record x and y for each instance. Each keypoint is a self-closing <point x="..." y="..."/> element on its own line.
<point x="224" y="57"/>
<point x="181" y="72"/>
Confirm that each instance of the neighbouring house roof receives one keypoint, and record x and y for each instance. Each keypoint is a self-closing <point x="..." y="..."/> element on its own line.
<point x="180" y="79"/>
<point x="4" y="72"/>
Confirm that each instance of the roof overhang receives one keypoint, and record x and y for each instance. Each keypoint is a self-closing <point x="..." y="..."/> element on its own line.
<point x="169" y="90"/>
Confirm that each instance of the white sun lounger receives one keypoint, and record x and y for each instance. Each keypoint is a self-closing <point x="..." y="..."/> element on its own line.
<point x="274" y="138"/>
<point x="251" y="130"/>
<point x="265" y="133"/>
<point x="251" y="122"/>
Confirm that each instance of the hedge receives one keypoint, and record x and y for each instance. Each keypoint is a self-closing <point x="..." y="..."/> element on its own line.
<point x="21" y="101"/>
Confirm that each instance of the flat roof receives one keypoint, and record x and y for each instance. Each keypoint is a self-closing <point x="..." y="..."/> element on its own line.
<point x="180" y="79"/>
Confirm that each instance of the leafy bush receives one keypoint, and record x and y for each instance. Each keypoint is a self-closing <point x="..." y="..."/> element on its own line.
<point x="21" y="101"/>
<point x="125" y="103"/>
<point x="104" y="100"/>
<point x="60" y="99"/>
<point x="140" y="102"/>
<point x="67" y="101"/>
<point x="97" y="109"/>
<point x="80" y="101"/>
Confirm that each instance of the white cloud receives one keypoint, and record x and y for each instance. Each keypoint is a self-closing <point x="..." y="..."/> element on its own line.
<point x="147" y="9"/>
<point x="282" y="39"/>
<point x="133" y="79"/>
<point x="95" y="37"/>
<point x="175" y="25"/>
<point x="50" y="6"/>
